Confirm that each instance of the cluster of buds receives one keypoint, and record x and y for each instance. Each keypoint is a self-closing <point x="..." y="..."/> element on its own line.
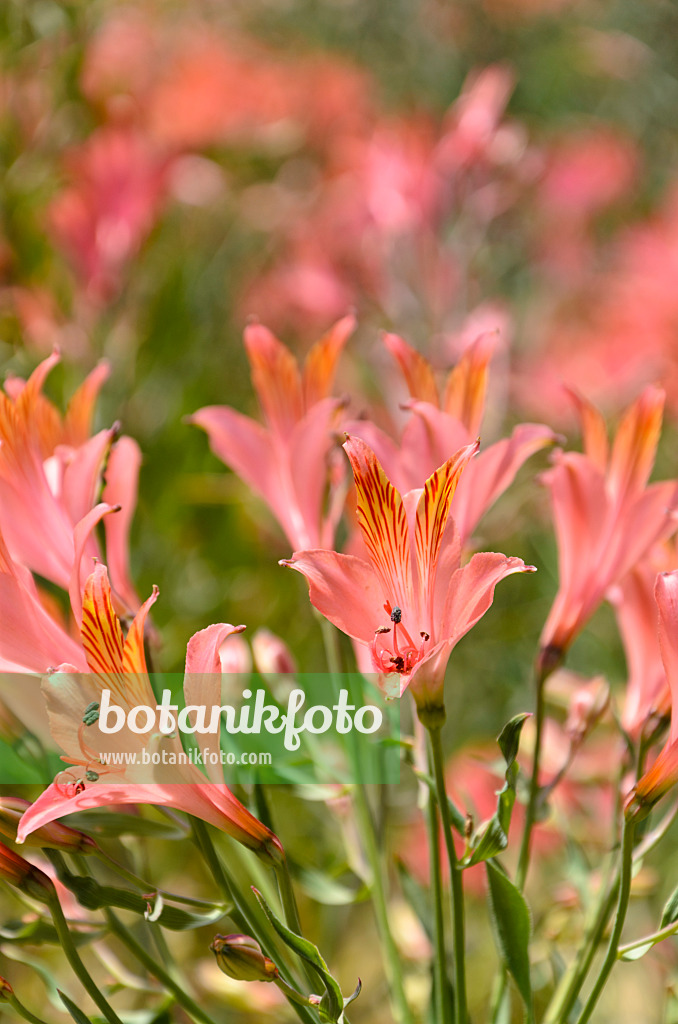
<point x="240" y="957"/>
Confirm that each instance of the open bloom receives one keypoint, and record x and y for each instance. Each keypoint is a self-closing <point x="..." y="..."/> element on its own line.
<point x="51" y="474"/>
<point x="664" y="772"/>
<point x="606" y="517"/>
<point x="118" y="663"/>
<point x="440" y="425"/>
<point x="287" y="462"/>
<point x="410" y="601"/>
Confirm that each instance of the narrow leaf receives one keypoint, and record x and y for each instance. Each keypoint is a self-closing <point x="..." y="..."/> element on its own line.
<point x="76" y="1013"/>
<point x="511" y="925"/>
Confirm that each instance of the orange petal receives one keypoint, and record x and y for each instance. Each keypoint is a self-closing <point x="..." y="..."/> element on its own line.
<point x="78" y="419"/>
<point x="321" y="361"/>
<point x="276" y="377"/>
<point x="467" y="383"/>
<point x="433" y="511"/>
<point x="383" y="521"/>
<point x="100" y="631"/>
<point x="594" y="431"/>
<point x="635" y="445"/>
<point x="415" y="369"/>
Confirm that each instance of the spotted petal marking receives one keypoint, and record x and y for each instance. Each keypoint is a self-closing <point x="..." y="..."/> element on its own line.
<point x="383" y="522"/>
<point x="433" y="511"/>
<point x="101" y="633"/>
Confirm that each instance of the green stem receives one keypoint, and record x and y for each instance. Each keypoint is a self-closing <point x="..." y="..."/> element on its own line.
<point x="653" y="937"/>
<point x="145" y="886"/>
<point x="76" y="963"/>
<point x="442" y="1000"/>
<point x="533" y="797"/>
<point x="456" y="883"/>
<point x="291" y="912"/>
<point x="570" y="984"/>
<point x="394" y="969"/>
<point x="21" y="1009"/>
<point x="155" y="969"/>
<point x="622" y="905"/>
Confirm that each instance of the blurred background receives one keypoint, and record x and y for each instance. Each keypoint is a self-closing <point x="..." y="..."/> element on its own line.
<point x="441" y="168"/>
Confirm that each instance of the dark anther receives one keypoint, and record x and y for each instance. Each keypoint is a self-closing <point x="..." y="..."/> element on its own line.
<point x="79" y="787"/>
<point x="91" y="776"/>
<point x="382" y="629"/>
<point x="91" y="713"/>
<point x="398" y="663"/>
<point x="424" y="635"/>
<point x="396" y="615"/>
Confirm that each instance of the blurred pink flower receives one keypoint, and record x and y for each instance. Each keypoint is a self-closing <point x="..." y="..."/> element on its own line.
<point x="606" y="517"/>
<point x="51" y="473"/>
<point x="409" y="601"/>
<point x="287" y="461"/>
<point x="439" y="426"/>
<point x="118" y="663"/>
<point x="101" y="219"/>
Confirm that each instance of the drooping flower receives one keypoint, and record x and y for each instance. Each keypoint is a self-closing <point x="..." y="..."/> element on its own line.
<point x="440" y="425"/>
<point x="663" y="774"/>
<point x="410" y="600"/>
<point x="118" y="663"/>
<point x="606" y="517"/>
<point x="287" y="461"/>
<point x="51" y="474"/>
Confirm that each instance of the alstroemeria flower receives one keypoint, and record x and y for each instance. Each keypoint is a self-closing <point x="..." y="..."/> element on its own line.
<point x="439" y="426"/>
<point x="287" y="461"/>
<point x="410" y="601"/>
<point x="606" y="517"/>
<point x="51" y="474"/>
<point x="647" y="694"/>
<point x="664" y="772"/>
<point x="118" y="663"/>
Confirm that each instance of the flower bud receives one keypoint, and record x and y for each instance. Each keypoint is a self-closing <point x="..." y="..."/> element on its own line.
<point x="53" y="835"/>
<point x="6" y="990"/>
<point x="271" y="654"/>
<point x="24" y="875"/>
<point x="241" y="957"/>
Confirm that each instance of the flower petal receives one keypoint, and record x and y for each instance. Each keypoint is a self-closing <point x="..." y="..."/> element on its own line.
<point x="345" y="589"/>
<point x="383" y="521"/>
<point x="415" y="369"/>
<point x="321" y="361"/>
<point x="276" y="377"/>
<point x="635" y="444"/>
<point x="466" y="386"/>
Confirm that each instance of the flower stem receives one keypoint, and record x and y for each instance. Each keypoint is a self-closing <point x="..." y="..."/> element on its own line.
<point x="456" y="883"/>
<point x="155" y="969"/>
<point x="394" y="969"/>
<point x="531" y="811"/>
<point x="21" y="1009"/>
<point x="622" y="905"/>
<point x="76" y="963"/>
<point x="442" y="1000"/>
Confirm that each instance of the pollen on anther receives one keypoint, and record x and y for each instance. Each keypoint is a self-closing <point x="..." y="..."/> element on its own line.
<point x="382" y="629"/>
<point x="396" y="615"/>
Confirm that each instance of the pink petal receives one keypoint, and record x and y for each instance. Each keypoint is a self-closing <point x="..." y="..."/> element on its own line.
<point x="345" y="589"/>
<point x="122" y="478"/>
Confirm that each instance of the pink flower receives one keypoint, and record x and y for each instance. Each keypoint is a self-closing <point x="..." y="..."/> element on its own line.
<point x="439" y="426"/>
<point x="101" y="219"/>
<point x="287" y="462"/>
<point x="606" y="517"/>
<point x="51" y="473"/>
<point x="409" y="601"/>
<point x="647" y="692"/>
<point x="663" y="774"/>
<point x="118" y="663"/>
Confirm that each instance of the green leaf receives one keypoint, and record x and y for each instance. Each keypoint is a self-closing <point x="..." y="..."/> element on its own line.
<point x="354" y="995"/>
<point x="509" y="737"/>
<point x="670" y="911"/>
<point x="417" y="897"/>
<point x="76" y="1013"/>
<point x="492" y="836"/>
<point x="332" y="1005"/>
<point x="511" y="926"/>
<point x="457" y="818"/>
